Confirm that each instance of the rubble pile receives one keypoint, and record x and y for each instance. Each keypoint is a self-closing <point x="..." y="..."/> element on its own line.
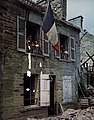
<point x="71" y="114"/>
<point x="85" y="114"/>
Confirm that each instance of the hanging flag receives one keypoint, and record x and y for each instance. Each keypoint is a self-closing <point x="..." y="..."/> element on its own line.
<point x="49" y="27"/>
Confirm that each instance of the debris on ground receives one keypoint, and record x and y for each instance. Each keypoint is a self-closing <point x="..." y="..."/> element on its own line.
<point x="72" y="114"/>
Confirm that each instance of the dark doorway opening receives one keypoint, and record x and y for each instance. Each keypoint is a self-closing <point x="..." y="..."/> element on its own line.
<point x="51" y="109"/>
<point x="92" y="79"/>
<point x="31" y="90"/>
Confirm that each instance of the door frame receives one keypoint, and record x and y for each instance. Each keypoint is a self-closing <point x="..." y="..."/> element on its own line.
<point x="51" y="108"/>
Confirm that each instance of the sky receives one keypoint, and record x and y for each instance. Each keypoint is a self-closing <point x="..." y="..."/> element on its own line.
<point x="84" y="8"/>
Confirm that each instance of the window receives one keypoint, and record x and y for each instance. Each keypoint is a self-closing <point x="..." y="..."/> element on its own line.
<point x="72" y="49"/>
<point x="67" y="48"/>
<point x="64" y="47"/>
<point x="36" y="91"/>
<point x="33" y="36"/>
<point x="28" y="33"/>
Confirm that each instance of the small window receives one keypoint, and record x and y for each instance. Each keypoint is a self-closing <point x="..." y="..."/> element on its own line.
<point x="64" y="47"/>
<point x="33" y="37"/>
<point x="72" y="49"/>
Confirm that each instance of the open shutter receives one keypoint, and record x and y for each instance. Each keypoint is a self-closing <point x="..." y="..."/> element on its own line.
<point x="72" y="51"/>
<point x="21" y="34"/>
<point x="44" y="90"/>
<point x="45" y="47"/>
<point x="45" y="44"/>
<point x="67" y="89"/>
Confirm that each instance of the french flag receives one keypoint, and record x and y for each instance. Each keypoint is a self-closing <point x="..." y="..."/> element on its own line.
<point x="49" y="27"/>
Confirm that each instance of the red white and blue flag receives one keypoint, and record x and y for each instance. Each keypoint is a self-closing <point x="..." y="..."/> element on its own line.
<point x="49" y="27"/>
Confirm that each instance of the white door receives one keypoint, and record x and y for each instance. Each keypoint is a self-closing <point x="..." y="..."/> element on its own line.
<point x="67" y="89"/>
<point x="44" y="90"/>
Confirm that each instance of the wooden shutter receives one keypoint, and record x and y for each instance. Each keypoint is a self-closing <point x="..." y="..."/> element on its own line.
<point x="21" y="34"/>
<point x="45" y="45"/>
<point x="44" y="90"/>
<point x="67" y="89"/>
<point x="72" y="51"/>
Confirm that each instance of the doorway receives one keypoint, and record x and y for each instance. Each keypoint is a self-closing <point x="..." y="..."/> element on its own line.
<point x="51" y="109"/>
<point x="31" y="90"/>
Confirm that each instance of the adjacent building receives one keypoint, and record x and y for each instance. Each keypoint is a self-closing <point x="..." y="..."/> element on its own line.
<point x="54" y="75"/>
<point x="86" y="53"/>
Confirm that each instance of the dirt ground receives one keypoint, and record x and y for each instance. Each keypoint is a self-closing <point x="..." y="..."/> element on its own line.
<point x="72" y="114"/>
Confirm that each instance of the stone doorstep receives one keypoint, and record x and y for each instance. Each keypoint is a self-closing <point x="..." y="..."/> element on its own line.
<point x="84" y="102"/>
<point x="53" y="118"/>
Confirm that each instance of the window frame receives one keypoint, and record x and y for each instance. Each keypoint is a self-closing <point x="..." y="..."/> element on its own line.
<point x="68" y="41"/>
<point x="37" y="50"/>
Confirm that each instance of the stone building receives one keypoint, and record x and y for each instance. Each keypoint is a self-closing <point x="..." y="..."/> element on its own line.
<point x="53" y="82"/>
<point x="87" y="45"/>
<point x="86" y="40"/>
<point x="87" y="57"/>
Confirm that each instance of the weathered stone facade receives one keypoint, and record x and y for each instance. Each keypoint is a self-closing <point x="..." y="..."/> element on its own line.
<point x="15" y="63"/>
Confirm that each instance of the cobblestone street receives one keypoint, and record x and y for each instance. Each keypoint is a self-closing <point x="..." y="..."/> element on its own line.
<point x="71" y="114"/>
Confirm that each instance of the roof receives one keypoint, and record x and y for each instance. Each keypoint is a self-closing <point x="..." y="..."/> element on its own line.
<point x="32" y="6"/>
<point x="76" y="18"/>
<point x="40" y="9"/>
<point x="67" y="23"/>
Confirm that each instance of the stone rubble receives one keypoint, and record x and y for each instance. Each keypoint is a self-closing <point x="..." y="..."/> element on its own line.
<point x="71" y="114"/>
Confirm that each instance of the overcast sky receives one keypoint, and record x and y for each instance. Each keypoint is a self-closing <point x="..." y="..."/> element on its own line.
<point x="84" y="8"/>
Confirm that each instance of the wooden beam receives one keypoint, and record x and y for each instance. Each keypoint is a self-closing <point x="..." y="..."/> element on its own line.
<point x="90" y="56"/>
<point x="87" y="60"/>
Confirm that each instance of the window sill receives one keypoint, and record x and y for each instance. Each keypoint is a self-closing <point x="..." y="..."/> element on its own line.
<point x="29" y="108"/>
<point x="64" y="60"/>
<point x="36" y="55"/>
